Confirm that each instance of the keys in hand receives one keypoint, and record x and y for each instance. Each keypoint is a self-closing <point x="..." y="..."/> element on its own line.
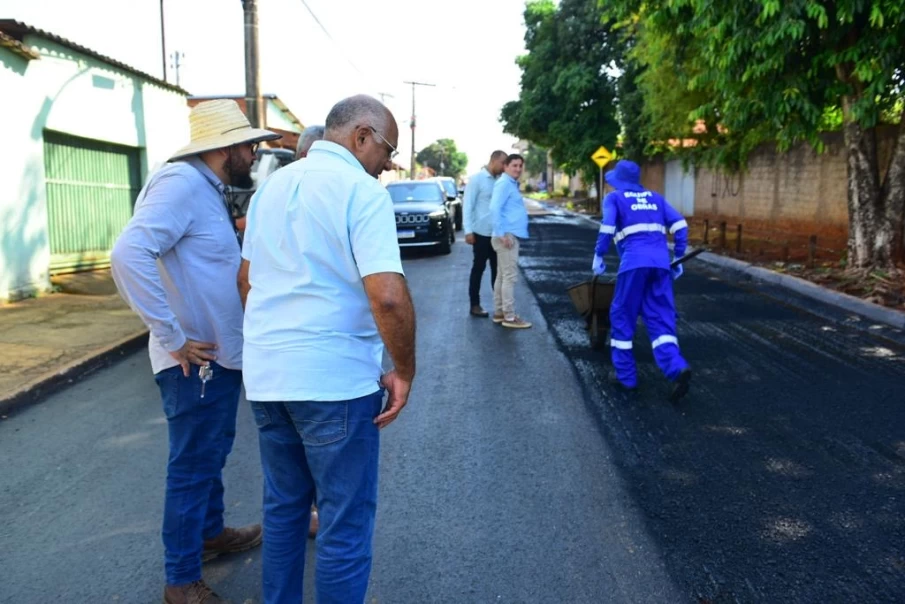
<point x="205" y="373"/>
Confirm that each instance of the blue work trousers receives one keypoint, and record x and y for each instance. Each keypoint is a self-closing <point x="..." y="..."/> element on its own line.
<point x="648" y="292"/>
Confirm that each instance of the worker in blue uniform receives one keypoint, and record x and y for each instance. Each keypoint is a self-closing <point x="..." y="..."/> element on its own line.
<point x="639" y="221"/>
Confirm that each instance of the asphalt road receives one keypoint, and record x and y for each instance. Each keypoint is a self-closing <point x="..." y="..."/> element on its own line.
<point x="781" y="477"/>
<point x="496" y="484"/>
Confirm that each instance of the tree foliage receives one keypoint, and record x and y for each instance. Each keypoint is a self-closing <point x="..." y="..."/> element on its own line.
<point x="783" y="71"/>
<point x="567" y="101"/>
<point x="535" y="160"/>
<point x="444" y="158"/>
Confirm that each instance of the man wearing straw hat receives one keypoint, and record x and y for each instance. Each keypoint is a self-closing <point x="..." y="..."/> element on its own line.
<point x="176" y="263"/>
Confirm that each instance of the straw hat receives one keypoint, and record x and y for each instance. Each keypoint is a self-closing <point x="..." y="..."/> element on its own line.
<point x="219" y="124"/>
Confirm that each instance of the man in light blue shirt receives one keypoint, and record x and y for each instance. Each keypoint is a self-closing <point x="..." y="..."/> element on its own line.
<point x="479" y="226"/>
<point x="509" y="220"/>
<point x="175" y="263"/>
<point x="325" y="294"/>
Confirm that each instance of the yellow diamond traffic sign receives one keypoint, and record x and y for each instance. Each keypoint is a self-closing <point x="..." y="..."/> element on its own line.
<point x="602" y="156"/>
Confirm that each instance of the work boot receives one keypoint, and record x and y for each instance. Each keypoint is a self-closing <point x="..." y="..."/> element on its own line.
<point x="191" y="593"/>
<point x="614" y="380"/>
<point x="681" y="385"/>
<point x="314" y="525"/>
<point x="232" y="540"/>
<point x="477" y="311"/>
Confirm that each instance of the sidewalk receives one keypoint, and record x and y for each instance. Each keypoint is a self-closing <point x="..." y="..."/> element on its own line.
<point x="53" y="340"/>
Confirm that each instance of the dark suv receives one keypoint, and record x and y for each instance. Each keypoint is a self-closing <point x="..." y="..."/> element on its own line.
<point x="452" y="195"/>
<point x="424" y="217"/>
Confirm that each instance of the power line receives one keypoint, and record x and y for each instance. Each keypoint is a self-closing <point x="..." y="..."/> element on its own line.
<point x="332" y="39"/>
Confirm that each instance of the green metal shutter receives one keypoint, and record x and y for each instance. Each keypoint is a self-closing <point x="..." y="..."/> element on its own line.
<point x="91" y="189"/>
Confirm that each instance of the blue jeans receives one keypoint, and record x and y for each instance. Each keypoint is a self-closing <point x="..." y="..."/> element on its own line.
<point x="330" y="448"/>
<point x="201" y="436"/>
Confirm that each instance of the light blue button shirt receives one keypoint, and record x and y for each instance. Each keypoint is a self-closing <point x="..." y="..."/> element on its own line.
<point x="176" y="262"/>
<point x="315" y="229"/>
<point x="507" y="208"/>
<point x="478" y="192"/>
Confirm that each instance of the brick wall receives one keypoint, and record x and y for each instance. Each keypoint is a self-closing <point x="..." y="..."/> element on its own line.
<point x="798" y="187"/>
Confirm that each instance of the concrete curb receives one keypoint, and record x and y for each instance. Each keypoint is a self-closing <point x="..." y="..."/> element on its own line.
<point x="51" y="382"/>
<point x="803" y="287"/>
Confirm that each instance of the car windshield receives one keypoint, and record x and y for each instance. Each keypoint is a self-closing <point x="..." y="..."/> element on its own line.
<point x="450" y="187"/>
<point x="415" y="191"/>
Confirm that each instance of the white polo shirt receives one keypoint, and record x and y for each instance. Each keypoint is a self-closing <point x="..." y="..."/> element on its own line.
<point x="315" y="229"/>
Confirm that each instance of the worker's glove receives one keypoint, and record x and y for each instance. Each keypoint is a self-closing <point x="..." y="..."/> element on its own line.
<point x="677" y="272"/>
<point x="598" y="266"/>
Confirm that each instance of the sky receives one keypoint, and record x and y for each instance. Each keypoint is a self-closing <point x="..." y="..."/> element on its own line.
<point x="467" y="48"/>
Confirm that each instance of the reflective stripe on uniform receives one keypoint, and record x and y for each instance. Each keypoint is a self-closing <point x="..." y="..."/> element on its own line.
<point x="664" y="340"/>
<point x="678" y="226"/>
<point x="621" y="344"/>
<point x="608" y="229"/>
<point x="647" y="227"/>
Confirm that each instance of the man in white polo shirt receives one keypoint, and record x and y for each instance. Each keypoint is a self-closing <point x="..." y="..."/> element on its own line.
<point x="325" y="291"/>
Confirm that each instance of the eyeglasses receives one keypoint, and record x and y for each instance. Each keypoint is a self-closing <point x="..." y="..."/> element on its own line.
<point x="393" y="152"/>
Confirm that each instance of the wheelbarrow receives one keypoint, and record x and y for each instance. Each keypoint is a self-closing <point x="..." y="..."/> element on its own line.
<point x="592" y="300"/>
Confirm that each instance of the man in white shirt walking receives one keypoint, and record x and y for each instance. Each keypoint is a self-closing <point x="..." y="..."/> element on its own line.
<point x="325" y="292"/>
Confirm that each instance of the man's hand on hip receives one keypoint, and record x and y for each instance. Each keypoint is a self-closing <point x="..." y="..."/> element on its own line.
<point x="469" y="238"/>
<point x="194" y="353"/>
<point x="398" y="390"/>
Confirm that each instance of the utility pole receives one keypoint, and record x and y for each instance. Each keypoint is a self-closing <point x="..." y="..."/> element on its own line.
<point x="412" y="175"/>
<point x="163" y="42"/>
<point x="254" y="103"/>
<point x="177" y="64"/>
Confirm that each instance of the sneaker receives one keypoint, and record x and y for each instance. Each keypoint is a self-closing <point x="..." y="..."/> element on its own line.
<point x="232" y="540"/>
<point x="516" y="323"/>
<point x="498" y="317"/>
<point x="681" y="385"/>
<point x="192" y="593"/>
<point x="477" y="311"/>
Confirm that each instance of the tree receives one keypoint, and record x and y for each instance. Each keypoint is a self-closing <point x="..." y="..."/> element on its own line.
<point x="535" y="160"/>
<point x="567" y="101"/>
<point x="443" y="158"/>
<point x="774" y="70"/>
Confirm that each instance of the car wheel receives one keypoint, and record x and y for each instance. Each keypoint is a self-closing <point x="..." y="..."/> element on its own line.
<point x="446" y="246"/>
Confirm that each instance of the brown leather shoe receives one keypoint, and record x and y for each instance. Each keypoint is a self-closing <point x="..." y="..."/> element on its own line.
<point x="315" y="524"/>
<point x="477" y="311"/>
<point x="191" y="593"/>
<point x="232" y="540"/>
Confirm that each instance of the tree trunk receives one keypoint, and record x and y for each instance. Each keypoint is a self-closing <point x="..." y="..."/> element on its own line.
<point x="893" y="200"/>
<point x="866" y="224"/>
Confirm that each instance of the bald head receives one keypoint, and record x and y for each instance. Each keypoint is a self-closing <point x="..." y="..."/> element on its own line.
<point x="307" y="138"/>
<point x="355" y="111"/>
<point x="365" y="127"/>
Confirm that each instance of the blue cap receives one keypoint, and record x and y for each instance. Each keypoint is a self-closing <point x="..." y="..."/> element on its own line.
<point x="626" y="176"/>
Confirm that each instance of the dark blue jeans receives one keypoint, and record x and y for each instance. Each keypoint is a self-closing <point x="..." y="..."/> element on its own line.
<point x="201" y="436"/>
<point x="330" y="448"/>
